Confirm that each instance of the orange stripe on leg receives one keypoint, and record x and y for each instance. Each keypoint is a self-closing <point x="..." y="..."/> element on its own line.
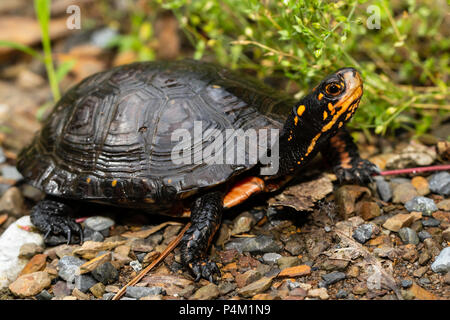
<point x="242" y="190"/>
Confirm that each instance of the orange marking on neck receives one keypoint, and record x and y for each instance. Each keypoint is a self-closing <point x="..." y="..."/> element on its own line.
<point x="312" y="144"/>
<point x="114" y="183"/>
<point x="88" y="180"/>
<point x="300" y="110"/>
<point x="295" y="120"/>
<point x="325" y="115"/>
<point x="320" y="96"/>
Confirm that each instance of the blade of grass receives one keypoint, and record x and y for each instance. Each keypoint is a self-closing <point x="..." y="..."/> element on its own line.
<point x="21" y="47"/>
<point x="42" y="8"/>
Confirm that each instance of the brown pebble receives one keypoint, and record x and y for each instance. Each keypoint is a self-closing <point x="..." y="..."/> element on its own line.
<point x="296" y="271"/>
<point x="98" y="290"/>
<point x="37" y="263"/>
<point x="398" y="221"/>
<point x="421" y="185"/>
<point x="30" y="284"/>
<point x="369" y="210"/>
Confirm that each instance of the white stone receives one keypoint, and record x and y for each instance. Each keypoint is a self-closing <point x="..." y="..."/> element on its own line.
<point x="10" y="242"/>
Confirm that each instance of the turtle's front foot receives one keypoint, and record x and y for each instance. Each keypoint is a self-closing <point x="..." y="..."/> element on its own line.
<point x="206" y="214"/>
<point x="357" y="170"/>
<point x="52" y="218"/>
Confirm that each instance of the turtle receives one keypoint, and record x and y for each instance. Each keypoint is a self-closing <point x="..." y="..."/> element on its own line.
<point x="119" y="138"/>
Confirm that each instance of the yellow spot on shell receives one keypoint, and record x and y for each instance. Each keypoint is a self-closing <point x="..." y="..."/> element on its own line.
<point x="295" y="120"/>
<point x="340" y="124"/>
<point x="88" y="180"/>
<point x="348" y="116"/>
<point x="325" y="115"/>
<point x="114" y="183"/>
<point x="298" y="162"/>
<point x="300" y="110"/>
<point x="320" y="96"/>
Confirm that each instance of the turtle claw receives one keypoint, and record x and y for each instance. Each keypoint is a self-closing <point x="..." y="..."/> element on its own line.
<point x="205" y="269"/>
<point x="360" y="171"/>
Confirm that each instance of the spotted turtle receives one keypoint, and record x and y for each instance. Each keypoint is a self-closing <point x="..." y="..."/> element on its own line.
<point x="110" y="139"/>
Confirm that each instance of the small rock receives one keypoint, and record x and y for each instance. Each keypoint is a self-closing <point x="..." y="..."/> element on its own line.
<point x="271" y="257"/>
<point x="259" y="244"/>
<point x="406" y="283"/>
<point x="286" y="262"/>
<point x="430" y="222"/>
<point x="421" y="204"/>
<point x="226" y="287"/>
<point x="440" y="183"/>
<point x="11" y="241"/>
<point x="44" y="295"/>
<point x="318" y="293"/>
<point x="403" y="193"/>
<point x="28" y="250"/>
<point x="60" y="289"/>
<point x="444" y="205"/>
<point x="424" y="257"/>
<point x="92" y="235"/>
<point x="342" y="294"/>
<point x="105" y="273"/>
<point x="446" y="234"/>
<point x="80" y="295"/>
<point x="108" y="296"/>
<point x="37" y="263"/>
<point x="12" y="202"/>
<point x="369" y="210"/>
<point x="360" y="288"/>
<point x="69" y="267"/>
<point x="298" y="292"/>
<point x="363" y="233"/>
<point x="243" y="223"/>
<point x="293" y="247"/>
<point x="333" y="277"/>
<point x="247" y="277"/>
<point x="353" y="272"/>
<point x="10" y="172"/>
<point x="423" y="235"/>
<point x="296" y="271"/>
<point x="136" y="265"/>
<point x="208" y="292"/>
<point x="418" y="273"/>
<point x="140" y="292"/>
<point x="256" y="287"/>
<point x="398" y="221"/>
<point x="98" y="290"/>
<point x="62" y="250"/>
<point x="383" y="188"/>
<point x="408" y="235"/>
<point x="421" y="185"/>
<point x="84" y="282"/>
<point x="442" y="262"/>
<point x="30" y="284"/>
<point x="32" y="193"/>
<point x="99" y="223"/>
<point x="94" y="263"/>
<point x="420" y="294"/>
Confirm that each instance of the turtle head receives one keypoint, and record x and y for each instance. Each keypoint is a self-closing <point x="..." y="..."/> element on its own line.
<point x="333" y="101"/>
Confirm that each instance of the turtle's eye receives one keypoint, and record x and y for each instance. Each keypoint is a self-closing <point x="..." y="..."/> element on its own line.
<point x="333" y="89"/>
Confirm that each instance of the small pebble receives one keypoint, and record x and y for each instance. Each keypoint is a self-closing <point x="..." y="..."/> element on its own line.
<point x="383" y="188"/>
<point x="440" y="183"/>
<point x="10" y="172"/>
<point x="363" y="233"/>
<point x="421" y="204"/>
<point x="342" y="294"/>
<point x="259" y="244"/>
<point x="99" y="223"/>
<point x="271" y="257"/>
<point x="408" y="236"/>
<point x="442" y="262"/>
<point x="406" y="283"/>
<point x="68" y="267"/>
<point x="136" y="265"/>
<point x="431" y="222"/>
<point x="44" y="295"/>
<point x="105" y="273"/>
<point x="140" y="292"/>
<point x="333" y="277"/>
<point x="423" y="235"/>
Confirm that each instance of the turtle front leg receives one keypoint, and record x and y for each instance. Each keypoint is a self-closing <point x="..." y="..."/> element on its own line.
<point x="52" y="217"/>
<point x="342" y="153"/>
<point x="206" y="214"/>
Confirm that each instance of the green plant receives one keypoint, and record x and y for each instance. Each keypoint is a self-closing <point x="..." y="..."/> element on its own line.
<point x="404" y="63"/>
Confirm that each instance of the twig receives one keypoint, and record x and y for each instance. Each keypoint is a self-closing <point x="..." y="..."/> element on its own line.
<point x="161" y="257"/>
<point x="415" y="170"/>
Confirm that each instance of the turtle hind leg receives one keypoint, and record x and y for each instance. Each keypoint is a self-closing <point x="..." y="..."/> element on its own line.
<point x="52" y="217"/>
<point x="206" y="214"/>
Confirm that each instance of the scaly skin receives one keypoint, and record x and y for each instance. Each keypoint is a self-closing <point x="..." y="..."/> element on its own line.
<point x="342" y="154"/>
<point x="206" y="214"/>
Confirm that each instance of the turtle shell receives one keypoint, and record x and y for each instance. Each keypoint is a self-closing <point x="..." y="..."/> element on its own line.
<point x="109" y="138"/>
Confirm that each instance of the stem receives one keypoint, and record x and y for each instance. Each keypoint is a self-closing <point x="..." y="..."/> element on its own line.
<point x="415" y="170"/>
